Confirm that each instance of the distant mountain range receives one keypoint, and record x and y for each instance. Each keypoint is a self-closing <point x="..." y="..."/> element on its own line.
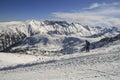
<point x="55" y="36"/>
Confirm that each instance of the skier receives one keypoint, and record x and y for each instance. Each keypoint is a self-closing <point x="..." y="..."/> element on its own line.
<point x="87" y="46"/>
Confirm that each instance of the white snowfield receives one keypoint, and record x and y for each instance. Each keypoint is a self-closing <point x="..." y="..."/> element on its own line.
<point x="99" y="64"/>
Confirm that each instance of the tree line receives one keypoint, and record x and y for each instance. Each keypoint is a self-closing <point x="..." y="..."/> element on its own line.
<point x="9" y="39"/>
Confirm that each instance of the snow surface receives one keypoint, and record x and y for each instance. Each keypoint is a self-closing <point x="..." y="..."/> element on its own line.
<point x="99" y="64"/>
<point x="9" y="59"/>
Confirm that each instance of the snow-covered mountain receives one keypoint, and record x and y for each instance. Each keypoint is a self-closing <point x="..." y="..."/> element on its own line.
<point x="54" y="36"/>
<point x="57" y="38"/>
<point x="53" y="27"/>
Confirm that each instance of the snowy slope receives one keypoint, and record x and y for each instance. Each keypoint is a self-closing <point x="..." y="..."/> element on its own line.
<point x="9" y="59"/>
<point x="99" y="64"/>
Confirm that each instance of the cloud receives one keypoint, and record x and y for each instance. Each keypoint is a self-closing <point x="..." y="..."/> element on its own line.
<point x="102" y="5"/>
<point x="94" y="5"/>
<point x="104" y="15"/>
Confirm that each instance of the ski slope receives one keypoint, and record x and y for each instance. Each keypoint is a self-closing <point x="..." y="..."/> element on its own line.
<point x="99" y="64"/>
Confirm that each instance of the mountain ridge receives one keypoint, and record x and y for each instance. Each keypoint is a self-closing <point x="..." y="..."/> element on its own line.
<point x="55" y="36"/>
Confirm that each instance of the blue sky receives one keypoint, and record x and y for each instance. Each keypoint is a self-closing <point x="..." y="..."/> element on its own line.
<point x="90" y="12"/>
